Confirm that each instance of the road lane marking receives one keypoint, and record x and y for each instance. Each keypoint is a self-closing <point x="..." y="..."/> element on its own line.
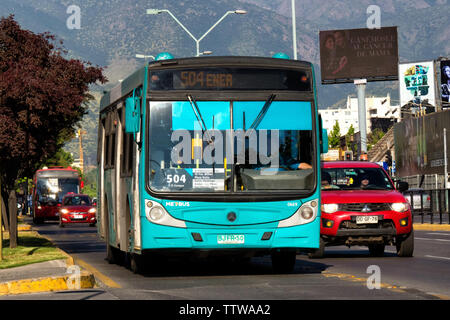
<point x="436" y="257"/>
<point x="443" y="240"/>
<point x="439" y="234"/>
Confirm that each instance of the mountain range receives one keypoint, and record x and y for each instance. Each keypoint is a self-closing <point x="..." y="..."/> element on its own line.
<point x="113" y="31"/>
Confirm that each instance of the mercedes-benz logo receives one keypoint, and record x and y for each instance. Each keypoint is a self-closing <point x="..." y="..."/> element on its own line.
<point x="231" y="216"/>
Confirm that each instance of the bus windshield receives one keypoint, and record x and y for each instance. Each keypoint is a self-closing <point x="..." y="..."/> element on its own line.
<point x="230" y="146"/>
<point x="50" y="190"/>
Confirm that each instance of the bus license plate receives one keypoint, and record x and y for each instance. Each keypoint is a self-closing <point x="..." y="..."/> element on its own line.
<point x="230" y="239"/>
<point x="366" y="219"/>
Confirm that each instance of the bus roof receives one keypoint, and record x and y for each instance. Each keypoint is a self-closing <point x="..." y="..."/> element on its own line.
<point x="136" y="79"/>
<point x="54" y="172"/>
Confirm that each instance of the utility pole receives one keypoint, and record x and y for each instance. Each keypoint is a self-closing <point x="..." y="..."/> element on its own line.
<point x="1" y="224"/>
<point x="445" y="170"/>
<point x="445" y="160"/>
<point x="80" y="141"/>
<point x="294" y="30"/>
<point x="361" y="89"/>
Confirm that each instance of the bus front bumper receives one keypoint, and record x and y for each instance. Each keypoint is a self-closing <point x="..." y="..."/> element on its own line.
<point x="214" y="237"/>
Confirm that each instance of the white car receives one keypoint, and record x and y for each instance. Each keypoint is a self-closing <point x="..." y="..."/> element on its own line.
<point x="416" y="193"/>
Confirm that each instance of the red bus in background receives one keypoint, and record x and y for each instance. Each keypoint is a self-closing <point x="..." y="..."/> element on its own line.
<point x="50" y="186"/>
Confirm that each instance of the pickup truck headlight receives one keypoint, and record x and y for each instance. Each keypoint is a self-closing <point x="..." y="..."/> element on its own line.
<point x="400" y="206"/>
<point x="330" y="207"/>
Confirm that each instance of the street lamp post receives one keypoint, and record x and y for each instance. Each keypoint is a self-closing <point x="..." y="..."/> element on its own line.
<point x="197" y="41"/>
<point x="145" y="57"/>
<point x="294" y="30"/>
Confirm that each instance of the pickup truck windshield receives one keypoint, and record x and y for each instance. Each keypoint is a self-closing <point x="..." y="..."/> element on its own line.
<point x="355" y="179"/>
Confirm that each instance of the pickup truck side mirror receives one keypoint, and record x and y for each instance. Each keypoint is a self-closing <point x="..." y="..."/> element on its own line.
<point x="402" y="186"/>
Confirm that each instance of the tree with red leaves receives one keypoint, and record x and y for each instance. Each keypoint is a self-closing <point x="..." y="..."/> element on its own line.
<point x="42" y="98"/>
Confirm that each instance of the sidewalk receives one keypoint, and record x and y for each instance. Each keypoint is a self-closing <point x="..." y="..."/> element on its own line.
<point x="54" y="275"/>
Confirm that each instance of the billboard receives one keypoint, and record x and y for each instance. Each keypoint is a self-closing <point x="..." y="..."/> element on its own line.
<point x="445" y="83"/>
<point x="416" y="83"/>
<point x="350" y="54"/>
<point x="419" y="144"/>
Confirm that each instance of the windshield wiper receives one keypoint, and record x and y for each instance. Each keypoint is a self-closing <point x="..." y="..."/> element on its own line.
<point x="199" y="117"/>
<point x="263" y="112"/>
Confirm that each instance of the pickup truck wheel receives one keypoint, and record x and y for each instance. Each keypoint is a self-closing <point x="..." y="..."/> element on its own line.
<point x="405" y="246"/>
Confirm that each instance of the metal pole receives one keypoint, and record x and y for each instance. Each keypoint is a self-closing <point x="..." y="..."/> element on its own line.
<point x="294" y="30"/>
<point x="218" y="21"/>
<point x="1" y="225"/>
<point x="438" y="102"/>
<point x="361" y="88"/>
<point x="445" y="160"/>
<point x="445" y="171"/>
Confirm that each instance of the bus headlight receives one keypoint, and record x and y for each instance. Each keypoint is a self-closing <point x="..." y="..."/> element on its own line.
<point x="400" y="206"/>
<point x="156" y="213"/>
<point x="305" y="214"/>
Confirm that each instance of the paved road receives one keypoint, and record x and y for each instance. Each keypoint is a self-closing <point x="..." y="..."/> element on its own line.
<point x="342" y="274"/>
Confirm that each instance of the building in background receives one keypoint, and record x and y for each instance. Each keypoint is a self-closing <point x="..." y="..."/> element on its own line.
<point x="380" y="114"/>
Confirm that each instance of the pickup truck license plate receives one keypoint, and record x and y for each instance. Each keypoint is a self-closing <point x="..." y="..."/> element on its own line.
<point x="366" y="219"/>
<point x="230" y="239"/>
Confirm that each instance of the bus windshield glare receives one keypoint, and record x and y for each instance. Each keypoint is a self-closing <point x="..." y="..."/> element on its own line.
<point x="53" y="189"/>
<point x="230" y="146"/>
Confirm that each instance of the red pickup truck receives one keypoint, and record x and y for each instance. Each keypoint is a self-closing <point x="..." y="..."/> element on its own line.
<point x="361" y="206"/>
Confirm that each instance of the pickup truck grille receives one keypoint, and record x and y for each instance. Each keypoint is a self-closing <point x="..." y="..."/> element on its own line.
<point x="358" y="207"/>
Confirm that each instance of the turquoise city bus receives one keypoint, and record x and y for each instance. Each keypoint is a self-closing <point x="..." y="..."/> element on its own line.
<point x="211" y="156"/>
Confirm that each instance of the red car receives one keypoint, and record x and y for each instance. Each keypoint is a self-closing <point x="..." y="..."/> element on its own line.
<point x="361" y="206"/>
<point x="77" y="208"/>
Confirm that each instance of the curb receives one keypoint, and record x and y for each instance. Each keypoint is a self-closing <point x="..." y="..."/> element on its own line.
<point x="48" y="284"/>
<point x="431" y="227"/>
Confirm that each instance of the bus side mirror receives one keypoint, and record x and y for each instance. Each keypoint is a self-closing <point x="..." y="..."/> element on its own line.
<point x="324" y="141"/>
<point x="132" y="115"/>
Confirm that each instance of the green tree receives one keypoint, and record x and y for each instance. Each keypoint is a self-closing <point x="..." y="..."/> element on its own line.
<point x="374" y="137"/>
<point x="334" y="136"/>
<point x="348" y="137"/>
<point x="61" y="158"/>
<point x="90" y="183"/>
<point x="42" y="98"/>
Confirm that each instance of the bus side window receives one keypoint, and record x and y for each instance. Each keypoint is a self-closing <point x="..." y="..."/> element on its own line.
<point x="110" y="150"/>
<point x="100" y="146"/>
<point x="105" y="144"/>
<point x="126" y="156"/>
